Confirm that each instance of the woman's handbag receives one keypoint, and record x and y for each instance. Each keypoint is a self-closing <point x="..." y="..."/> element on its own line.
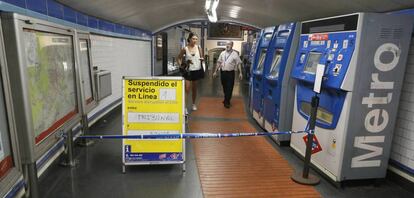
<point x="203" y="65"/>
<point x="184" y="67"/>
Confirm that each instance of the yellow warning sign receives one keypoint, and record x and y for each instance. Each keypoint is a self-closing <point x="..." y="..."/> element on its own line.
<point x="153" y="106"/>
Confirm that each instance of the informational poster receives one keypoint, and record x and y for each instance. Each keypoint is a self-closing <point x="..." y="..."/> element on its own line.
<point x="153" y="106"/>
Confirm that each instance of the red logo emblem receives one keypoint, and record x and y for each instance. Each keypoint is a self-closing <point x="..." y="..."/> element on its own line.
<point x="318" y="37"/>
<point x="274" y="127"/>
<point x="316" y="147"/>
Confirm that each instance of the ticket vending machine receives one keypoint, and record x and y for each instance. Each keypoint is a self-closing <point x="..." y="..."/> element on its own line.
<point x="253" y="50"/>
<point x="278" y="90"/>
<point x="252" y="56"/>
<point x="365" y="56"/>
<point x="258" y="72"/>
<point x="11" y="177"/>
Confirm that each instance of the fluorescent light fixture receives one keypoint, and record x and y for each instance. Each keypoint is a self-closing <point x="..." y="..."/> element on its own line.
<point x="211" y="7"/>
<point x="234" y="11"/>
<point x="208" y="5"/>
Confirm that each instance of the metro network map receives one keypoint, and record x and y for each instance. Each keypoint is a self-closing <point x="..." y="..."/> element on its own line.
<point x="51" y="80"/>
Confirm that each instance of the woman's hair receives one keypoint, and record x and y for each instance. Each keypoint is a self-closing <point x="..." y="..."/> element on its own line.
<point x="191" y="36"/>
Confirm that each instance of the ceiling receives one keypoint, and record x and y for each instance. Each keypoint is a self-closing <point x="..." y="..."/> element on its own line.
<point x="155" y="15"/>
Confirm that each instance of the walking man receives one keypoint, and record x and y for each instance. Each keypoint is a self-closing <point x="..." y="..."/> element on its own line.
<point x="227" y="63"/>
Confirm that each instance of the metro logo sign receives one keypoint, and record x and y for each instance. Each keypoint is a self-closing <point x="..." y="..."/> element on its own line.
<point x="377" y="119"/>
<point x="316" y="147"/>
<point x="318" y="37"/>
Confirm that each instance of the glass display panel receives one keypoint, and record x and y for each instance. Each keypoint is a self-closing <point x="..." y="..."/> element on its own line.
<point x="268" y="37"/>
<point x="284" y="34"/>
<point x="322" y="114"/>
<point x="344" y="23"/>
<point x="328" y="28"/>
<point x="51" y="80"/>
<point x="6" y="160"/>
<point x="262" y="58"/>
<point x="274" y="70"/>
<point x="312" y="62"/>
<point x="85" y="70"/>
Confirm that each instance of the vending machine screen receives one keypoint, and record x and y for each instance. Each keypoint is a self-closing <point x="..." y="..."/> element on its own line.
<point x="261" y="61"/>
<point x="274" y="71"/>
<point x="312" y="62"/>
<point x="322" y="114"/>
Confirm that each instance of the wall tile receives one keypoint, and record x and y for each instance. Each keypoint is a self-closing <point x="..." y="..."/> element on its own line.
<point x="20" y="3"/>
<point x="54" y="9"/>
<point x="92" y="22"/>
<point x="106" y="25"/>
<point x="82" y="19"/>
<point x="69" y="14"/>
<point x="403" y="143"/>
<point x="37" y="6"/>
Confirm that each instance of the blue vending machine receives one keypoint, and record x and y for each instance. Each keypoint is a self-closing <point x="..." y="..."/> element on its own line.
<point x="257" y="76"/>
<point x="364" y="55"/>
<point x="251" y="59"/>
<point x="279" y="88"/>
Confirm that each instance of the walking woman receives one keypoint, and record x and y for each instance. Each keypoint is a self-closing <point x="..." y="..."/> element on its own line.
<point x="191" y="58"/>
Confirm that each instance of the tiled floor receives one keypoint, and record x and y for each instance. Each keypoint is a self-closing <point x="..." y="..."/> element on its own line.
<point x="211" y="107"/>
<point x="239" y="167"/>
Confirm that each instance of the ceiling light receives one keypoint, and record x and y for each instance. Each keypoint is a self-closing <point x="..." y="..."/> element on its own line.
<point x="210" y="8"/>
<point x="208" y="5"/>
<point x="234" y="11"/>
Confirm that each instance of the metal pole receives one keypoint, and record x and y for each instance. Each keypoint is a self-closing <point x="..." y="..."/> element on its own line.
<point x="68" y="158"/>
<point x="85" y="130"/>
<point x="31" y="175"/>
<point x="315" y="104"/>
<point x="202" y="32"/>
<point x="202" y="43"/>
<point x="305" y="177"/>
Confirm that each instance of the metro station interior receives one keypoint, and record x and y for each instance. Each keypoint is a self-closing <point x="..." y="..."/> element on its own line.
<point x="206" y="98"/>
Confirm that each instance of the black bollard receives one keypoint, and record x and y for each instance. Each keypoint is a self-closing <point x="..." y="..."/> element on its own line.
<point x="304" y="177"/>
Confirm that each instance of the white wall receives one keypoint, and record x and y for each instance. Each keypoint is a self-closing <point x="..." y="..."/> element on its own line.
<point x="122" y="57"/>
<point x="403" y="142"/>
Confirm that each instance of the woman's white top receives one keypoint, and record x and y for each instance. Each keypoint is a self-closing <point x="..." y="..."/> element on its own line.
<point x="195" y="58"/>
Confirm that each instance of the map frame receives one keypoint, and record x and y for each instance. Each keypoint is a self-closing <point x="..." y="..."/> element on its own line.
<point x="14" y="25"/>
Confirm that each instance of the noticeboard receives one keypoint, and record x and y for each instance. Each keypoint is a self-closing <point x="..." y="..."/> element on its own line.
<point x="221" y="31"/>
<point x="153" y="105"/>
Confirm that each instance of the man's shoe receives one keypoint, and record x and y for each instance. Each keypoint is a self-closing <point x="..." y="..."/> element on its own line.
<point x="227" y="105"/>
<point x="194" y="107"/>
